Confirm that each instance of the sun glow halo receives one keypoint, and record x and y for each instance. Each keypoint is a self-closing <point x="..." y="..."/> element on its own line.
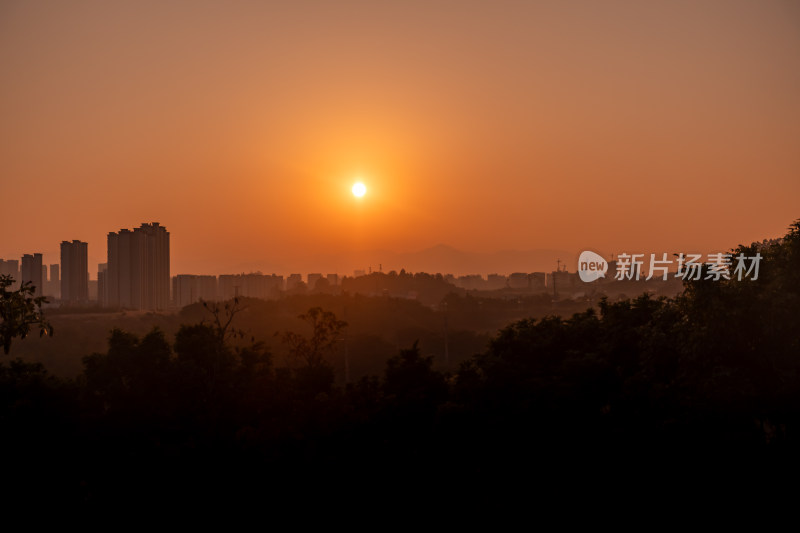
<point x="359" y="189"/>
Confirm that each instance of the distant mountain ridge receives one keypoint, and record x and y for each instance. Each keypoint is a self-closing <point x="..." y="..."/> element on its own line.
<point x="440" y="258"/>
<point x="446" y="259"/>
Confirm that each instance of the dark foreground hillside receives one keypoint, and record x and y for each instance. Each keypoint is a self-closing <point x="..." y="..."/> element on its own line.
<point x="644" y="387"/>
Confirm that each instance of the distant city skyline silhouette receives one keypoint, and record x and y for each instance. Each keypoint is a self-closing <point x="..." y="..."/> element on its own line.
<point x="440" y="258"/>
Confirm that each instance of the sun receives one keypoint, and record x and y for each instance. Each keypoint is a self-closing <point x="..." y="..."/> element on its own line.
<point x="359" y="189"/>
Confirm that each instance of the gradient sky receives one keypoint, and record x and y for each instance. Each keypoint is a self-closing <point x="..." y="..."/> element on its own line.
<point x="241" y="126"/>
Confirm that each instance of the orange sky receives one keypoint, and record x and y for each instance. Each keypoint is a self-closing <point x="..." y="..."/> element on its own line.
<point x="241" y="126"/>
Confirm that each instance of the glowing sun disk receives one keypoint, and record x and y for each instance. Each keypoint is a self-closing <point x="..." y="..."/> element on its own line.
<point x="359" y="189"/>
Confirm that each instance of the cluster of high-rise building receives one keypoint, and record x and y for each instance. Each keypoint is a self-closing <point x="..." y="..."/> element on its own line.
<point x="135" y="276"/>
<point x="524" y="281"/>
<point x="30" y="269"/>
<point x="188" y="288"/>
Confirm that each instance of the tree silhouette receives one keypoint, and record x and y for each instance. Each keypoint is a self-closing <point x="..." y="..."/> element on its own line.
<point x="214" y="350"/>
<point x="222" y="318"/>
<point x="19" y="310"/>
<point x="325" y="330"/>
<point x="410" y="377"/>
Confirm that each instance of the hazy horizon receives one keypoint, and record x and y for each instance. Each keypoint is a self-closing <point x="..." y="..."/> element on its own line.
<point x="440" y="258"/>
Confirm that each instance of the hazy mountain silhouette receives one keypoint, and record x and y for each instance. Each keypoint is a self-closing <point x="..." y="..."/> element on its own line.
<point x="440" y="258"/>
<point x="444" y="258"/>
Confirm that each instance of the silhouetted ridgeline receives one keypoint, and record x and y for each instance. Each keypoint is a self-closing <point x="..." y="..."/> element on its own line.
<point x="641" y="385"/>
